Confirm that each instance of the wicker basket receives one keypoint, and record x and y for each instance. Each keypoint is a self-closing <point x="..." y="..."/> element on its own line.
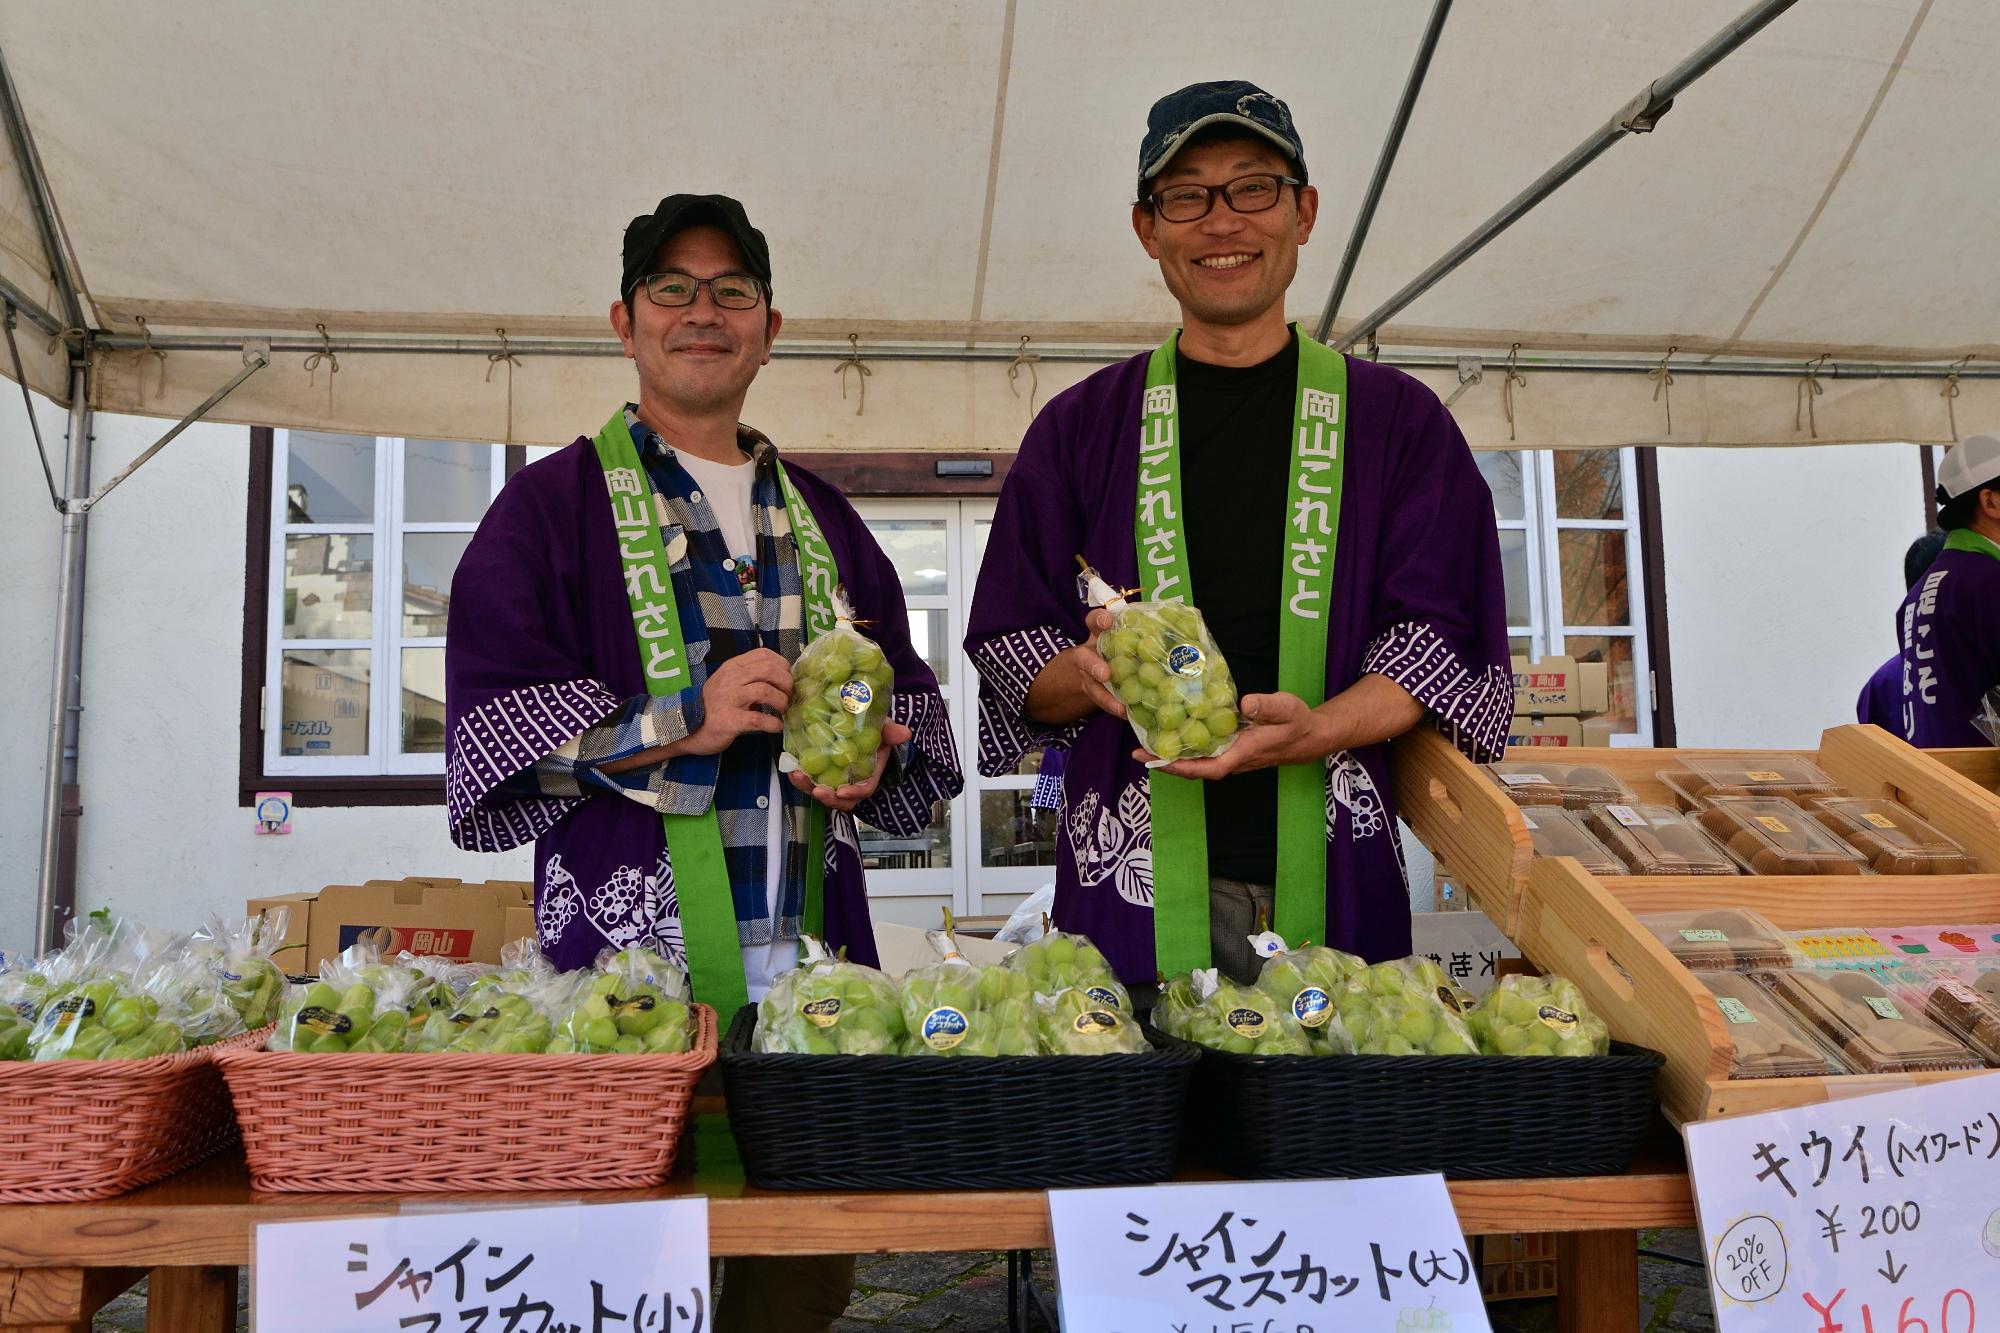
<point x="1466" y="1116"/>
<point x="425" y="1122"/>
<point x="880" y="1122"/>
<point x="74" y="1130"/>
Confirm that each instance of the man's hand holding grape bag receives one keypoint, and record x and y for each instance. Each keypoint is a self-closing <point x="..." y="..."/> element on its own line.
<point x="1167" y="672"/>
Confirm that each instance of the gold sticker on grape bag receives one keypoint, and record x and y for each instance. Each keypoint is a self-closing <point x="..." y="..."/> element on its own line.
<point x="64" y="1012"/>
<point x="943" y="1028"/>
<point x="638" y="1004"/>
<point x="324" y="1020"/>
<point x="1184" y="659"/>
<point x="1879" y="820"/>
<point x="822" y="1013"/>
<point x="1246" y="1023"/>
<point x="856" y="695"/>
<point x="1313" y="1007"/>
<point x="1449" y="998"/>
<point x="1773" y="823"/>
<point x="1093" y="1022"/>
<point x="1562" y="1020"/>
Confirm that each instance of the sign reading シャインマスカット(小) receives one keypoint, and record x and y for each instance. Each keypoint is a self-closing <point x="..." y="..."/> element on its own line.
<point x="1866" y="1213"/>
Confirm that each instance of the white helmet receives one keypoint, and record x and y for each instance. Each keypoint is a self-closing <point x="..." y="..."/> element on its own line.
<point x="1972" y="463"/>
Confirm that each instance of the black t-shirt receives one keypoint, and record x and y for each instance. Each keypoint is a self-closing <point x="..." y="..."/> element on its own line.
<point x="1235" y="429"/>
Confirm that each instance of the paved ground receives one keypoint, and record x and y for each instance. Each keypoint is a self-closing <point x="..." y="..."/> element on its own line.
<point x="969" y="1291"/>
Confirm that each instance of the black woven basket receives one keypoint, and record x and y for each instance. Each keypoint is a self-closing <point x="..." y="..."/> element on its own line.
<point x="1467" y="1116"/>
<point x="866" y="1122"/>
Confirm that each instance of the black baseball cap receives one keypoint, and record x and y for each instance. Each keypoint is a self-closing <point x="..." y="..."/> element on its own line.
<point x="1233" y="102"/>
<point x="645" y="234"/>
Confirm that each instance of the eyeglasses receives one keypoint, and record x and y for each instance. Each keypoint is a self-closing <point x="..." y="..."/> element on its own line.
<point x="1246" y="194"/>
<point x="731" y="291"/>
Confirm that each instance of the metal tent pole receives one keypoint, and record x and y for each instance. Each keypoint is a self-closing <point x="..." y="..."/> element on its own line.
<point x="1637" y="116"/>
<point x="1384" y="162"/>
<point x="55" y="896"/>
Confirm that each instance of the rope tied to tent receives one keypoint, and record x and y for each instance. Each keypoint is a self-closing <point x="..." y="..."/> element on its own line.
<point x="1950" y="395"/>
<point x="159" y="388"/>
<point x="1663" y="382"/>
<point x="66" y="335"/>
<point x="1809" y="389"/>
<point x="853" y="362"/>
<point x="1024" y="358"/>
<point x="1514" y="377"/>
<point x="494" y="359"/>
<point x="312" y="365"/>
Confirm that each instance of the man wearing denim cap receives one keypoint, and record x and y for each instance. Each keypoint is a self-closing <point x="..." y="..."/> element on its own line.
<point x="1324" y="514"/>
<point x="619" y="653"/>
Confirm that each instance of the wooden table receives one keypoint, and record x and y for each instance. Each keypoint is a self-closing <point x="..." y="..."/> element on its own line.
<point x="59" y="1262"/>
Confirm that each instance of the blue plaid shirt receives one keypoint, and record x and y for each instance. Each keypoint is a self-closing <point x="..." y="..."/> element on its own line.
<point x="716" y="621"/>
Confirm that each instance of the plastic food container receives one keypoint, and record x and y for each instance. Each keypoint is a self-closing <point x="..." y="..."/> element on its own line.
<point x="1874" y="1031"/>
<point x="1562" y="833"/>
<point x="1657" y="840"/>
<point x="1572" y="786"/>
<point x="1892" y="839"/>
<point x="1960" y="998"/>
<point x="1769" y="835"/>
<point x="1721" y="939"/>
<point x="1769" y="1042"/>
<point x="1747" y="775"/>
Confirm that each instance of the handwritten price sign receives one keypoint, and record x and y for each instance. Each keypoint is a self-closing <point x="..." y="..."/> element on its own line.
<point x="1876" y="1214"/>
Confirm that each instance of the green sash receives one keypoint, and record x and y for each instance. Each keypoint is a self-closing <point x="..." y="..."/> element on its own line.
<point x="694" y="842"/>
<point x="1965" y="539"/>
<point x="1312" y="516"/>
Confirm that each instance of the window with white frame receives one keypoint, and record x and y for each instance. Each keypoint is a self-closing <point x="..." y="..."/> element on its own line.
<point x="366" y="533"/>
<point x="1569" y="551"/>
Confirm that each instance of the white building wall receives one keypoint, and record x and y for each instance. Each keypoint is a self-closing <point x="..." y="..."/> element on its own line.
<point x="1783" y="571"/>
<point x="162" y="835"/>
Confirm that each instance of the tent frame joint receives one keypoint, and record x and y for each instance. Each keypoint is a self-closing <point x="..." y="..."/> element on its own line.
<point x="256" y="355"/>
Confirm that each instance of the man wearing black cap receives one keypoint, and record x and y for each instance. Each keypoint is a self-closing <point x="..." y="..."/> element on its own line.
<point x="619" y="653"/>
<point x="1323" y="513"/>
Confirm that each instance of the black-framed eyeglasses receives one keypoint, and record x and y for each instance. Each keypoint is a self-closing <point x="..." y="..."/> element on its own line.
<point x="731" y="291"/>
<point x="1246" y="194"/>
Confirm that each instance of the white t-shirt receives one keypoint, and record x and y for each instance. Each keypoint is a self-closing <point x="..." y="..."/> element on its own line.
<point x="729" y="489"/>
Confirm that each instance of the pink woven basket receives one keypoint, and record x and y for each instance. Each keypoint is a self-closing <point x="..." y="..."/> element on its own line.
<point x="434" y="1122"/>
<point x="74" y="1130"/>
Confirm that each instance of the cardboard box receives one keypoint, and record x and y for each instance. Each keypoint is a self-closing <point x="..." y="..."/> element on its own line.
<point x="1566" y="731"/>
<point x="904" y="947"/>
<point x="1466" y="945"/>
<point x="1560" y="686"/>
<point x="444" y="918"/>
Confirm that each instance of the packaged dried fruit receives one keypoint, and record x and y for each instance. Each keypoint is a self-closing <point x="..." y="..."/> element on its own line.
<point x="1571" y="786"/>
<point x="1563" y="833"/>
<point x="1890" y="836"/>
<point x="1873" y="1031"/>
<point x="1721" y="939"/>
<point x="1770" y="835"/>
<point x="1768" y="1042"/>
<point x="1963" y="999"/>
<point x="1657" y="840"/>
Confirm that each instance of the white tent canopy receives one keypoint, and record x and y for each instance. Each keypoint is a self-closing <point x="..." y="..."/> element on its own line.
<point x="944" y="178"/>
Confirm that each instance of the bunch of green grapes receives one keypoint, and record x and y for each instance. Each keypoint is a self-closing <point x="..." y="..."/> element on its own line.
<point x="1074" y="1022"/>
<point x="1537" y="1016"/>
<point x="830" y="1008"/>
<point x="1239" y="1019"/>
<point x="1060" y="961"/>
<point x="626" y="1010"/>
<point x="1306" y="983"/>
<point x="1170" y="676"/>
<point x="840" y="697"/>
<point x="1406" y="1007"/>
<point x="960" y="1008"/>
<point x="101" y="1020"/>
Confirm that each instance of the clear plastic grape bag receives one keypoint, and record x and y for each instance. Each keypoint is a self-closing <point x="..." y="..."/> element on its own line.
<point x="841" y="686"/>
<point x="1407" y="1007"/>
<point x="238" y="953"/>
<point x="1206" y="1008"/>
<point x="1166" y="670"/>
<point x="632" y="1002"/>
<point x="1074" y="1022"/>
<point x="829" y="1006"/>
<point x="1537" y="1016"/>
<point x="954" y="1007"/>
<point x="1305" y="982"/>
<point x="1059" y="960"/>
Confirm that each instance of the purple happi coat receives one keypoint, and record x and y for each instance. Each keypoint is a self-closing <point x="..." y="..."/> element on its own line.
<point x="1949" y="629"/>
<point x="541" y="647"/>
<point x="1417" y="597"/>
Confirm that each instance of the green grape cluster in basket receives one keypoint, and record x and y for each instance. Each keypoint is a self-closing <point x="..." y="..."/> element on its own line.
<point x="828" y="1006"/>
<point x="1537" y="1016"/>
<point x="956" y="1008"/>
<point x="104" y="1019"/>
<point x="1075" y="1022"/>
<point x="1307" y="983"/>
<point x="634" y="1003"/>
<point x="1405" y="1007"/>
<point x="1060" y="960"/>
<point x="841" y="686"/>
<point x="1209" y="1009"/>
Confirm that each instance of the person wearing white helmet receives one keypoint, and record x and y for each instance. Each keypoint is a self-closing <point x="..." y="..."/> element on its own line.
<point x="1949" y="624"/>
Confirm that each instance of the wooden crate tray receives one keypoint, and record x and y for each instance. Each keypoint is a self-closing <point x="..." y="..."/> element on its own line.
<point x="1583" y="926"/>
<point x="1477" y="833"/>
